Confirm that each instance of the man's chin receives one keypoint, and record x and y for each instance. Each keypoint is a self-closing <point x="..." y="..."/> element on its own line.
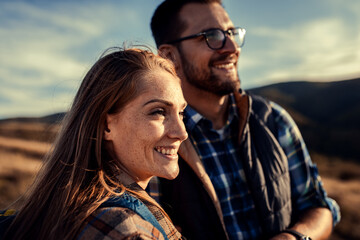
<point x="226" y="90"/>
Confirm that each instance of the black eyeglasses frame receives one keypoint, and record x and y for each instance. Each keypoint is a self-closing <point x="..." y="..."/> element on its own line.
<point x="229" y="32"/>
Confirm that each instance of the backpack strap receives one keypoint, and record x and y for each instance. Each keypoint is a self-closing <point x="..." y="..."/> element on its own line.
<point x="6" y="218"/>
<point x="134" y="204"/>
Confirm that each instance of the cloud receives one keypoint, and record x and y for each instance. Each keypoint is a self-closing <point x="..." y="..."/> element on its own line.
<point x="40" y="42"/>
<point x="30" y="103"/>
<point x="321" y="49"/>
<point x="46" y="50"/>
<point x="46" y="47"/>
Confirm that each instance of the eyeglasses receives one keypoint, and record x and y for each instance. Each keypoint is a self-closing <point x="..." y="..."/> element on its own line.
<point x="216" y="38"/>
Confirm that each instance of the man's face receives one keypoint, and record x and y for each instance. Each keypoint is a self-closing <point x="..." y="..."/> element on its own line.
<point x="214" y="71"/>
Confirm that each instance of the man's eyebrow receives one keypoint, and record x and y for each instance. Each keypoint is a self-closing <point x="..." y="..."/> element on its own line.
<point x="214" y="28"/>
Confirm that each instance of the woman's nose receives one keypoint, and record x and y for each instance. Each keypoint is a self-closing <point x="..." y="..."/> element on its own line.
<point x="178" y="130"/>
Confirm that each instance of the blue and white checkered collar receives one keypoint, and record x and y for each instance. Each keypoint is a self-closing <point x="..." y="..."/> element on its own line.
<point x="192" y="117"/>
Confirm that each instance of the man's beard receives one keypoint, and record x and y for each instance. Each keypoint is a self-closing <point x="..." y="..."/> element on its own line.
<point x="208" y="81"/>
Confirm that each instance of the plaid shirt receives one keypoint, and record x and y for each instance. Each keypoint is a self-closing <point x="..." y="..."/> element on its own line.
<point x="219" y="153"/>
<point x="123" y="223"/>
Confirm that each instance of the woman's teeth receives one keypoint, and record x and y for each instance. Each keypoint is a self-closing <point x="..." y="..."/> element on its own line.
<point x="164" y="151"/>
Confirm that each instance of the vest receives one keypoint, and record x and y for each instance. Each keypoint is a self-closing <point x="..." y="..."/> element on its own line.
<point x="267" y="174"/>
<point x="266" y="168"/>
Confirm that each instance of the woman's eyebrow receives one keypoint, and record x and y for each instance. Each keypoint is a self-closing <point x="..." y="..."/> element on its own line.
<point x="167" y="103"/>
<point x="159" y="100"/>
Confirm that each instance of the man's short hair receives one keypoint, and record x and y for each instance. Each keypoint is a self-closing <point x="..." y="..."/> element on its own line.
<point x="166" y="24"/>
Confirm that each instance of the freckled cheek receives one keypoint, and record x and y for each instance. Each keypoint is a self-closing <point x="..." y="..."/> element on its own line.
<point x="144" y="140"/>
<point x="154" y="131"/>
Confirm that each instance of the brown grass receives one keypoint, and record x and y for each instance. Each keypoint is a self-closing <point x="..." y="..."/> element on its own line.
<point x="28" y="148"/>
<point x="20" y="160"/>
<point x="347" y="195"/>
<point x="342" y="182"/>
<point x="35" y="131"/>
<point x="17" y="172"/>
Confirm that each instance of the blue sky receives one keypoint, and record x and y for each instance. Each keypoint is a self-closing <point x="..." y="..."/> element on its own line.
<point x="46" y="47"/>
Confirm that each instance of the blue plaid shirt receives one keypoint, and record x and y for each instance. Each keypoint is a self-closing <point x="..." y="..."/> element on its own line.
<point x="219" y="153"/>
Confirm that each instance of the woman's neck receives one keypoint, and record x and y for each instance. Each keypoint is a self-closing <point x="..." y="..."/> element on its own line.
<point x="126" y="179"/>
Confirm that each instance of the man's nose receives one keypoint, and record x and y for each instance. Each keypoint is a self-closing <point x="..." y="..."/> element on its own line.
<point x="230" y="45"/>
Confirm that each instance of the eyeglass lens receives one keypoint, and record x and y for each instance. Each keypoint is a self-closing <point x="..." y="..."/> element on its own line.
<point x="216" y="38"/>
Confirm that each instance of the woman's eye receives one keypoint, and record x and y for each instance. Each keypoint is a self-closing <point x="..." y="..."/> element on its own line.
<point x="182" y="114"/>
<point x="158" y="112"/>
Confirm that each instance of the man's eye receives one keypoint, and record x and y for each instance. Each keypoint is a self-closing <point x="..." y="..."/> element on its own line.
<point x="234" y="31"/>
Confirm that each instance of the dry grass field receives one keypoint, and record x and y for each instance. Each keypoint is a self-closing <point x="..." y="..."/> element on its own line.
<point x="22" y="146"/>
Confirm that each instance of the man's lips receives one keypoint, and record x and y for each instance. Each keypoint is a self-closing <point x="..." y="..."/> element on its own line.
<point x="225" y="62"/>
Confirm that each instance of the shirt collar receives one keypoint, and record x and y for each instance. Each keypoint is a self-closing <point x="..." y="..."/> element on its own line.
<point x="193" y="118"/>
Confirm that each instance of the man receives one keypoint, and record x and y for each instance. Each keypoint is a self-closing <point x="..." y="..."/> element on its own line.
<point x="245" y="172"/>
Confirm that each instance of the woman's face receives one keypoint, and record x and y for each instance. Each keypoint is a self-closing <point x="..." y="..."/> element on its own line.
<point x="145" y="136"/>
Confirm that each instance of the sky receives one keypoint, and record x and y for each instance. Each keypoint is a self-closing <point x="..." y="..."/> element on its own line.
<point x="46" y="47"/>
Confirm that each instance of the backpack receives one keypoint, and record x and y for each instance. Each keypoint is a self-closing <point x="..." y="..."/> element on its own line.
<point x="134" y="204"/>
<point x="6" y="218"/>
<point x="125" y="200"/>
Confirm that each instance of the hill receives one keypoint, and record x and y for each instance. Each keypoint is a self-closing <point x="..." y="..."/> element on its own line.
<point x="49" y="119"/>
<point x="328" y="113"/>
<point x="43" y="129"/>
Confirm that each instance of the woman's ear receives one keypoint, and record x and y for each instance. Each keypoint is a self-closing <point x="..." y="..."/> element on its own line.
<point x="107" y="132"/>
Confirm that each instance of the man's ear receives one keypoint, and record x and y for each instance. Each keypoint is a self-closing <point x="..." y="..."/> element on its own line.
<point x="170" y="52"/>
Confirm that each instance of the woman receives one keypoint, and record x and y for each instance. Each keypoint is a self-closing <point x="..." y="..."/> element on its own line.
<point x="125" y="126"/>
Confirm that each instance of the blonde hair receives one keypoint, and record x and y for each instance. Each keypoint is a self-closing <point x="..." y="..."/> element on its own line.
<point x="78" y="174"/>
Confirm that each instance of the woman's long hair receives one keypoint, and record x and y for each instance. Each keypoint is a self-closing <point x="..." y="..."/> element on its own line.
<point x="78" y="174"/>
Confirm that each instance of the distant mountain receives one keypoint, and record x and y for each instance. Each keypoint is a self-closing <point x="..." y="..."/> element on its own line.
<point x="53" y="118"/>
<point x="328" y="113"/>
<point x="40" y="129"/>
